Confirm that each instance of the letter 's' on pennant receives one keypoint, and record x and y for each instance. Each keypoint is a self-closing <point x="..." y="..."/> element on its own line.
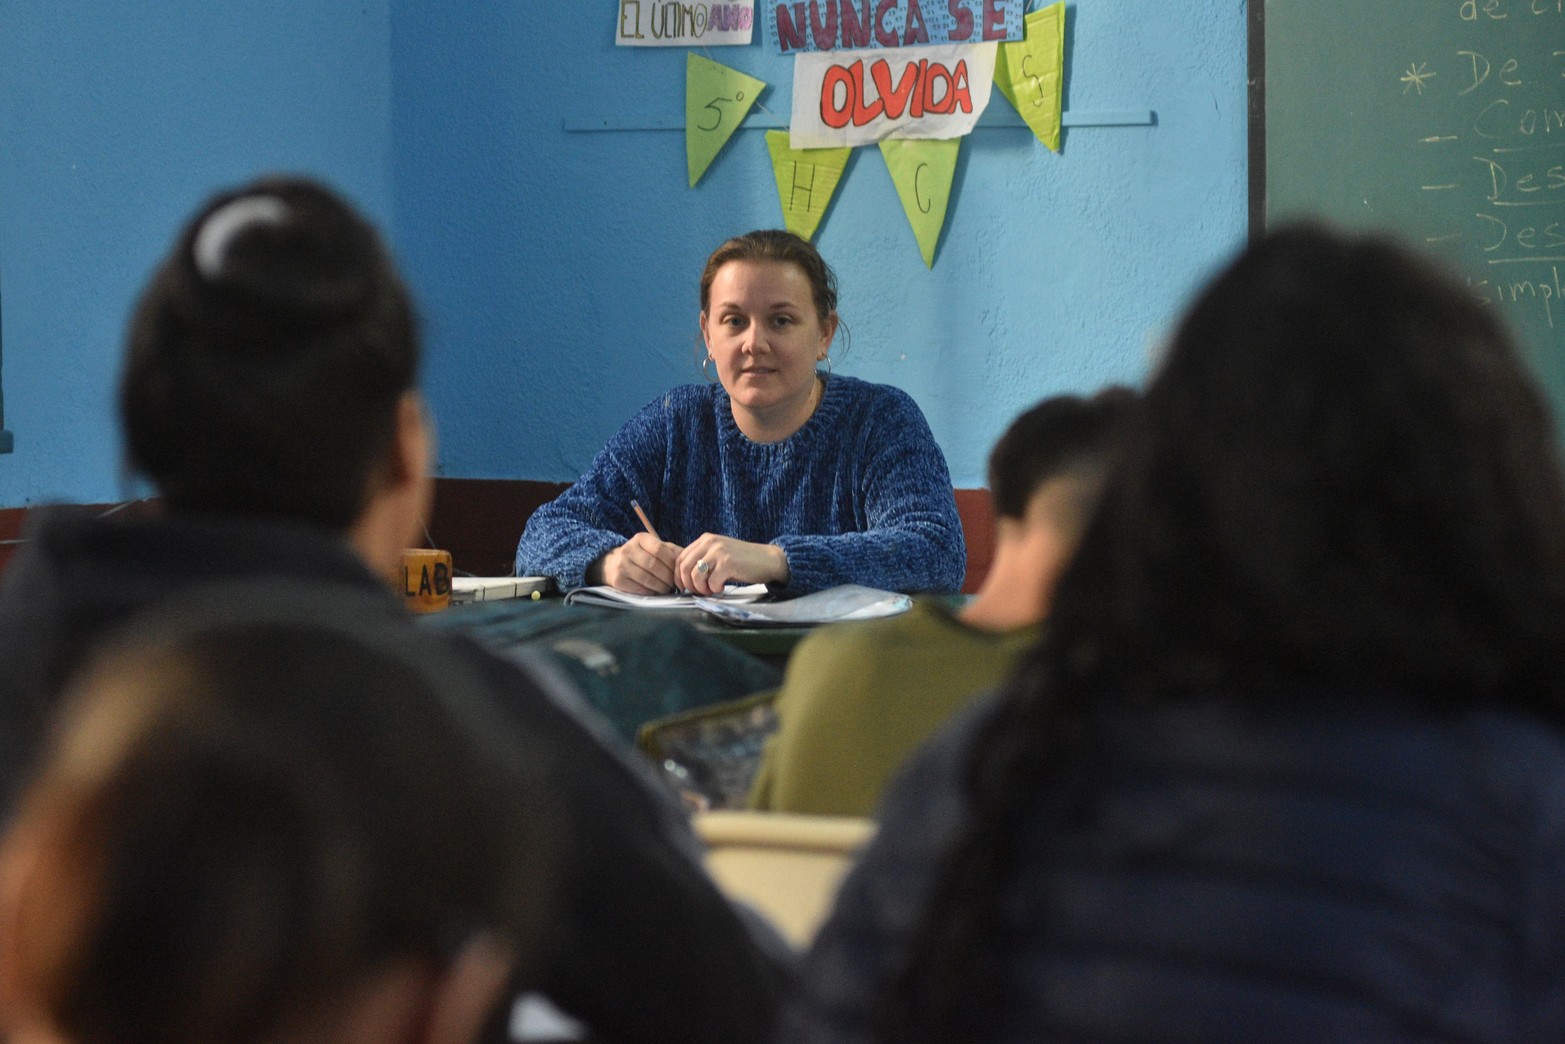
<point x="1031" y="73"/>
<point x="806" y="181"/>
<point x="717" y="99"/>
<point x="922" y="172"/>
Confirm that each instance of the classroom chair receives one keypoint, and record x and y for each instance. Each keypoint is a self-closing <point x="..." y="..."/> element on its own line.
<point x="787" y="867"/>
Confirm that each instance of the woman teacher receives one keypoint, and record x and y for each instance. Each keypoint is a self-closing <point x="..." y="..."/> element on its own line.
<point x="772" y="472"/>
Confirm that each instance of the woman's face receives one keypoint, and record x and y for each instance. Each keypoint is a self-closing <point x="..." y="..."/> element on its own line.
<point x="761" y="329"/>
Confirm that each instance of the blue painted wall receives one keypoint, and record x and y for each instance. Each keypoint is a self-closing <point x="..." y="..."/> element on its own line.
<point x="116" y="119"/>
<point x="557" y="270"/>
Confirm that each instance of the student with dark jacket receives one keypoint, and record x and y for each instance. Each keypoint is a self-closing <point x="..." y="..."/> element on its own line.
<point x="269" y="394"/>
<point x="1290" y="763"/>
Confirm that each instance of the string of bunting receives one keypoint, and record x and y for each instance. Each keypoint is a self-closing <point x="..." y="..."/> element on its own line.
<point x="911" y="78"/>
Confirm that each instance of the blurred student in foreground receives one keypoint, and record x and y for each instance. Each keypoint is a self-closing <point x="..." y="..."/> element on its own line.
<point x="263" y="824"/>
<point x="858" y="698"/>
<point x="270" y="395"/>
<point x="1289" y="764"/>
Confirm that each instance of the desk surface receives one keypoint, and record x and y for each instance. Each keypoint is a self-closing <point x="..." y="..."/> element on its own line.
<point x="772" y="644"/>
<point x="768" y="643"/>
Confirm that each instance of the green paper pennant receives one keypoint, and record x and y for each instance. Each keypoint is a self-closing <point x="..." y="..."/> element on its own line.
<point x="1030" y="73"/>
<point x="806" y="181"/>
<point x="717" y="99"/>
<point x="922" y="171"/>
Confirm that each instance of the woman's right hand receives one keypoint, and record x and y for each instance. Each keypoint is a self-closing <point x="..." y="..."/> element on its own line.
<point x="641" y="565"/>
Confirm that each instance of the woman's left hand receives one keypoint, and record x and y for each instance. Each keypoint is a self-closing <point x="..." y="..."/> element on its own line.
<point x="710" y="562"/>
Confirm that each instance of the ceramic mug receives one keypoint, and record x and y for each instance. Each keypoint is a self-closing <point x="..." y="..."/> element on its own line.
<point x="426" y="579"/>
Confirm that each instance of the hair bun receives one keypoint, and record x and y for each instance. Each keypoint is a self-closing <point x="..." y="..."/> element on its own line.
<point x="284" y="260"/>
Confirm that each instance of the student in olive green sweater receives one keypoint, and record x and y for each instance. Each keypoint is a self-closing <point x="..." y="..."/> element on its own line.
<point x="859" y="697"/>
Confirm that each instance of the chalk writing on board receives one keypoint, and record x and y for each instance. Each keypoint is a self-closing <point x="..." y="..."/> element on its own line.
<point x="1441" y="122"/>
<point x="1416" y="76"/>
<point x="1501" y="149"/>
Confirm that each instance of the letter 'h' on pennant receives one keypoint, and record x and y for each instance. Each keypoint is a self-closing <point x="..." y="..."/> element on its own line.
<point x="717" y="99"/>
<point x="806" y="181"/>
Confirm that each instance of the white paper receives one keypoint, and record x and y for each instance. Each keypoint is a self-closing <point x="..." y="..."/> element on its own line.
<point x="861" y="97"/>
<point x="666" y="23"/>
<point x="833" y="605"/>
<point x="617" y="599"/>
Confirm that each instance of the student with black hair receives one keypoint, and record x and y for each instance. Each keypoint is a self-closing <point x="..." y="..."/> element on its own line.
<point x="270" y="395"/>
<point x="858" y="698"/>
<point x="1289" y="764"/>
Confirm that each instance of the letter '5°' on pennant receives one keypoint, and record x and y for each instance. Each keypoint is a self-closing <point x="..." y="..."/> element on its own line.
<point x="717" y="99"/>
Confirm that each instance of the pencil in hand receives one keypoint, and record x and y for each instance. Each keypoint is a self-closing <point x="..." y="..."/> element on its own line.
<point x="645" y="521"/>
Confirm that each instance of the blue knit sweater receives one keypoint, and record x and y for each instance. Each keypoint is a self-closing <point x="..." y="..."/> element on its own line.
<point x="860" y="494"/>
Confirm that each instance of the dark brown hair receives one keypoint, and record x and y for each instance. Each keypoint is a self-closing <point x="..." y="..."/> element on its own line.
<point x="776" y="245"/>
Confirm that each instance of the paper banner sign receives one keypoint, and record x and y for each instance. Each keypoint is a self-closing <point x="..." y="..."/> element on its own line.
<point x="859" y="97"/>
<point x="717" y="99"/>
<point x="665" y="23"/>
<point x="806" y="181"/>
<point x="856" y="25"/>
<point x="1031" y="74"/>
<point x="922" y="172"/>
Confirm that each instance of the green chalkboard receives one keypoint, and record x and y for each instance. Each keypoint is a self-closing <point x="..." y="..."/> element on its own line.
<point x="1440" y="120"/>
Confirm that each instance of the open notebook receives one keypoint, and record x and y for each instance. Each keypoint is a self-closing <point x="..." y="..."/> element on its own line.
<point x="744" y="606"/>
<point x="833" y="605"/>
<point x="615" y="599"/>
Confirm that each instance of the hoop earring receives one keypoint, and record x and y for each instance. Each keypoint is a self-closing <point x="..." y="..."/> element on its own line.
<point x="827" y="361"/>
<point x="709" y="378"/>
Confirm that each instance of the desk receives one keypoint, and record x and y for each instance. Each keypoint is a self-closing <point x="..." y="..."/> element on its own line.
<point x="772" y="645"/>
<point x="631" y="666"/>
<point x="769" y="644"/>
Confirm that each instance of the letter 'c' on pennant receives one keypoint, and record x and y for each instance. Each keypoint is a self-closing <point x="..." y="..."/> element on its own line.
<point x="923" y="171"/>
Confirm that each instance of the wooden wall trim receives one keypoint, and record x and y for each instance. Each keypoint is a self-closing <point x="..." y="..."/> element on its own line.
<point x="11" y="522"/>
<point x="479" y="521"/>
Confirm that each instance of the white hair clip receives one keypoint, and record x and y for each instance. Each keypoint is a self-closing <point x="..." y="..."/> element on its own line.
<point x="222" y="224"/>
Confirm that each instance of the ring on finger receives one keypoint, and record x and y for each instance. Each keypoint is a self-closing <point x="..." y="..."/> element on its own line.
<point x="703" y="567"/>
